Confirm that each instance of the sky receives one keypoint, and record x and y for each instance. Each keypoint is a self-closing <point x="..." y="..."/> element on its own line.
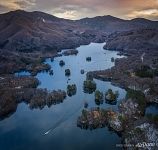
<point x="76" y="9"/>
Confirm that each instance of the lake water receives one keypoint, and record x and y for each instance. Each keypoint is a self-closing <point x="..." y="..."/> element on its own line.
<point x="22" y="73"/>
<point x="55" y="128"/>
<point x="152" y="109"/>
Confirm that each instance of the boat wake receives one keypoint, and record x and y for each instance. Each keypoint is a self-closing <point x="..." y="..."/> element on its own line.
<point x="47" y="132"/>
<point x="61" y="121"/>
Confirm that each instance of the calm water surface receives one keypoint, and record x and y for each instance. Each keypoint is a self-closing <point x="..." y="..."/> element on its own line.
<point x="152" y="109"/>
<point x="55" y="128"/>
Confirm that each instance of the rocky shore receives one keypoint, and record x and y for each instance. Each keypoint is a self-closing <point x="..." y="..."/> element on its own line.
<point x="70" y="52"/>
<point x="99" y="118"/>
<point x="130" y="109"/>
<point x="129" y="121"/>
<point x="143" y="135"/>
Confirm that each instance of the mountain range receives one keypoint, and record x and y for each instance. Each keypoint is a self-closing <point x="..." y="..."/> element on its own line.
<point x="33" y="31"/>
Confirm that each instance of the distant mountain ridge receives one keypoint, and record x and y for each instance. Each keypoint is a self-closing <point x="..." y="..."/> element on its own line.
<point x="27" y="31"/>
<point x="111" y="24"/>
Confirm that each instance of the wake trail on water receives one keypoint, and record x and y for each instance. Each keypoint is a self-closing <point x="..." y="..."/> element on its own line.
<point x="61" y="121"/>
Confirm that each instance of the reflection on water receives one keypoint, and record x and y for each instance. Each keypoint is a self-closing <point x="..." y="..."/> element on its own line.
<point x="55" y="127"/>
<point x="152" y="109"/>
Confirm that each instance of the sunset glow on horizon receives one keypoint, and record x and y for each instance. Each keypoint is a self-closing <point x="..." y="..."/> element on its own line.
<point x="76" y="9"/>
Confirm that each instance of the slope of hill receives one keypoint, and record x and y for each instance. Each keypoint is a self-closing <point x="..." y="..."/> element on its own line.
<point x="145" y="40"/>
<point x="28" y="31"/>
<point x="112" y="24"/>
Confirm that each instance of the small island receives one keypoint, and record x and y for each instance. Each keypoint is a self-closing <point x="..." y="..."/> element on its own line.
<point x="112" y="59"/>
<point x="89" y="86"/>
<point x="51" y="72"/>
<point x="98" y="97"/>
<point x="82" y="71"/>
<point x="52" y="59"/>
<point x="71" y="89"/>
<point x="111" y="96"/>
<point x="67" y="72"/>
<point x="88" y="58"/>
<point x="99" y="118"/>
<point x="61" y="63"/>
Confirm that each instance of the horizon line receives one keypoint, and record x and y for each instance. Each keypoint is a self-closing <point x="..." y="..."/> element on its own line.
<point x="3" y="13"/>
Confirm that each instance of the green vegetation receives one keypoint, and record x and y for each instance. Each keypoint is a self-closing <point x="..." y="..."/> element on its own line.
<point x="35" y="68"/>
<point x="155" y="61"/>
<point x="61" y="63"/>
<point x="156" y="71"/>
<point x="98" y="97"/>
<point x="67" y="72"/>
<point x="104" y="112"/>
<point x="144" y="72"/>
<point x="153" y="89"/>
<point x="71" y="89"/>
<point x="122" y="118"/>
<point x="89" y="86"/>
<point x="111" y="96"/>
<point x="152" y="117"/>
<point x="138" y="97"/>
<point x="40" y="60"/>
<point x="84" y="113"/>
<point x="88" y="58"/>
<point x="26" y="61"/>
<point x="138" y="130"/>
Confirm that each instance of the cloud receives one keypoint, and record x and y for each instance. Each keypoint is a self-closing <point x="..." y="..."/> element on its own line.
<point x="75" y="9"/>
<point x="71" y="14"/>
<point x="25" y="3"/>
<point x="148" y="13"/>
<point x="15" y="4"/>
<point x="70" y="11"/>
<point x="66" y="11"/>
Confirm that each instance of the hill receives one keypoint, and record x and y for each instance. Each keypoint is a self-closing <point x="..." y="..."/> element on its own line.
<point x="34" y="31"/>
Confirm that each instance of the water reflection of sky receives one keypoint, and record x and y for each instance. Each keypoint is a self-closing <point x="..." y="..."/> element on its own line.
<point x="25" y="128"/>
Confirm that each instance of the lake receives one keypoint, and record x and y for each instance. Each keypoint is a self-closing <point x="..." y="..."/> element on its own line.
<point x="55" y="127"/>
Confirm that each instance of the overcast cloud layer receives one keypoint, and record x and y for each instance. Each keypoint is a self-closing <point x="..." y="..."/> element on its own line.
<point x="76" y="9"/>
